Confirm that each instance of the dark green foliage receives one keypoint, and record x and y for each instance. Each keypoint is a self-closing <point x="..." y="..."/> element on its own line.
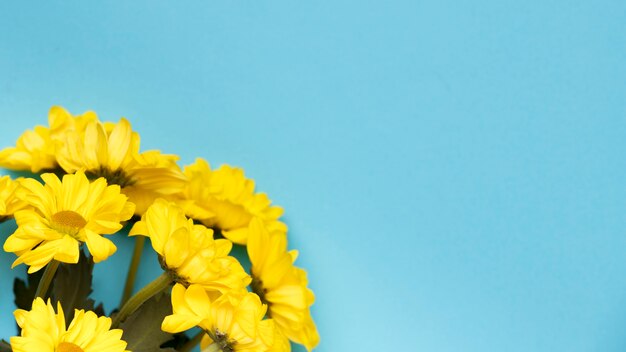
<point x="72" y="287"/>
<point x="177" y="342"/>
<point x="142" y="329"/>
<point x="25" y="290"/>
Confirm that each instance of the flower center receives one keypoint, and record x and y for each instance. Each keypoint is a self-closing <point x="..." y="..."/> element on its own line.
<point x="113" y="177"/>
<point x="67" y="221"/>
<point x="257" y="287"/>
<point x="173" y="274"/>
<point x="221" y="340"/>
<point x="68" y="347"/>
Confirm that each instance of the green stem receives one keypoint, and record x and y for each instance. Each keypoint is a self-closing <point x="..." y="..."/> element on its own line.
<point x="189" y="345"/>
<point x="46" y="279"/>
<point x="132" y="269"/>
<point x="212" y="348"/>
<point x="151" y="289"/>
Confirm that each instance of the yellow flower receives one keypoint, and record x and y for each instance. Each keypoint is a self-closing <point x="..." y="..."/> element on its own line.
<point x="111" y="150"/>
<point x="224" y="200"/>
<point x="35" y="150"/>
<point x="188" y="252"/>
<point x="9" y="201"/>
<point x="281" y="285"/>
<point x="64" y="214"/>
<point x="233" y="321"/>
<point x="43" y="330"/>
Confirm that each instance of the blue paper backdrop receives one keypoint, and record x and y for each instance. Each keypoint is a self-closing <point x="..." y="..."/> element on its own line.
<point x="453" y="172"/>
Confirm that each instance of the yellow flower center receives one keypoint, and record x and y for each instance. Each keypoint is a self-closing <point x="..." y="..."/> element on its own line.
<point x="68" y="347"/>
<point x="67" y="221"/>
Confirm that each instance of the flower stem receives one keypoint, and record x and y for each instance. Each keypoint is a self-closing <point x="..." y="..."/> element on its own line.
<point x="132" y="269"/>
<point x="212" y="348"/>
<point x="189" y="345"/>
<point x="46" y="279"/>
<point x="151" y="289"/>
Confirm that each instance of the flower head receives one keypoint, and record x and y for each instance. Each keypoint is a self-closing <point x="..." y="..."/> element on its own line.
<point x="224" y="199"/>
<point x="9" y="201"/>
<point x="281" y="285"/>
<point x="111" y="150"/>
<point x="64" y="214"/>
<point x="43" y="330"/>
<point x="188" y="251"/>
<point x="36" y="149"/>
<point x="233" y="321"/>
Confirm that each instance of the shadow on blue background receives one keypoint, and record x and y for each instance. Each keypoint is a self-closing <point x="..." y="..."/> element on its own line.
<point x="452" y="171"/>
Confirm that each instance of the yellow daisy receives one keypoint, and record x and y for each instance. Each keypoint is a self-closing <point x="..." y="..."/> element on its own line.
<point x="225" y="201"/>
<point x="231" y="322"/>
<point x="281" y="285"/>
<point x="35" y="150"/>
<point x="188" y="252"/>
<point x="111" y="150"/>
<point x="9" y="201"/>
<point x="43" y="330"/>
<point x="64" y="214"/>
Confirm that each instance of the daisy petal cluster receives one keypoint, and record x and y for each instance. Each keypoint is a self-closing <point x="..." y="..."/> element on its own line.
<point x="63" y="214"/>
<point x="188" y="252"/>
<point x="111" y="150"/>
<point x="36" y="149"/>
<point x="89" y="178"/>
<point x="9" y="200"/>
<point x="281" y="285"/>
<point x="224" y="199"/>
<point x="44" y="330"/>
<point x="232" y="322"/>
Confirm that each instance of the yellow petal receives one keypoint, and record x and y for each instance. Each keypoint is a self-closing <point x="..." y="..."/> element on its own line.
<point x="99" y="247"/>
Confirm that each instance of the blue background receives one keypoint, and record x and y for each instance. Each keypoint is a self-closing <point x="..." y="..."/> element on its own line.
<point x="452" y="171"/>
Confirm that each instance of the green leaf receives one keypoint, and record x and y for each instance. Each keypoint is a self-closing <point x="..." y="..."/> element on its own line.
<point x="142" y="329"/>
<point x="72" y="286"/>
<point x="177" y="342"/>
<point x="25" y="291"/>
<point x="4" y="346"/>
<point x="99" y="310"/>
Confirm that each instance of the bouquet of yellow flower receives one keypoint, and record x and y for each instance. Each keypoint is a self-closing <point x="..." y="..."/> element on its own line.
<point x="89" y="179"/>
